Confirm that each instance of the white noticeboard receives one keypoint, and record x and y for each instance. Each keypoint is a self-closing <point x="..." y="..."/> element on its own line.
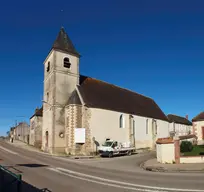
<point x="79" y="135"/>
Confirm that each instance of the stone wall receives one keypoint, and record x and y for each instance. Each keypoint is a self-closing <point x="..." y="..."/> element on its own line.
<point x="87" y="148"/>
<point x="78" y="116"/>
<point x="36" y="131"/>
<point x="165" y="152"/>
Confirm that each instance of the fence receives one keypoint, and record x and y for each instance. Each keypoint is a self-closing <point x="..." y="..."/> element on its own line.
<point x="10" y="182"/>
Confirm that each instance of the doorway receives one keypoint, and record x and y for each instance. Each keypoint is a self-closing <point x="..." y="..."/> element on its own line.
<point x="132" y="130"/>
<point x="203" y="133"/>
<point x="154" y="133"/>
<point x="46" y="138"/>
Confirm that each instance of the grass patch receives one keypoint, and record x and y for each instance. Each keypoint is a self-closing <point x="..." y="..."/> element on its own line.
<point x="197" y="151"/>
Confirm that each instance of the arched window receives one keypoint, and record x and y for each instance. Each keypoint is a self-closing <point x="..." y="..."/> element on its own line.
<point x="147" y="126"/>
<point x="47" y="96"/>
<point x="67" y="64"/>
<point x="48" y="66"/>
<point x="133" y="124"/>
<point x="122" y="121"/>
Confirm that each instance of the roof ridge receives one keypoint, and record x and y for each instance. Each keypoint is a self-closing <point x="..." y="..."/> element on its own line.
<point x="197" y="115"/>
<point x="125" y="89"/>
<point x="177" y="116"/>
<point x="115" y="98"/>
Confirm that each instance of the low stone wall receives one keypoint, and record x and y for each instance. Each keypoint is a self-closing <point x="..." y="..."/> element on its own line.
<point x="192" y="159"/>
<point x="168" y="150"/>
<point x="166" y="153"/>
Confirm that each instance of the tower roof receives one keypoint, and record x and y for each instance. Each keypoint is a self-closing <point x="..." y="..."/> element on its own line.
<point x="64" y="43"/>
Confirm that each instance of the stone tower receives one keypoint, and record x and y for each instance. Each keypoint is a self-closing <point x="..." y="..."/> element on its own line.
<point x="61" y="75"/>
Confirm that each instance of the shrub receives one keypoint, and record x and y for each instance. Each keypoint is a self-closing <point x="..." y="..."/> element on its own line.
<point x="186" y="146"/>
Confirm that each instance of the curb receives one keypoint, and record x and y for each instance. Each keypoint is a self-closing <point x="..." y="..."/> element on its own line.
<point x="162" y="169"/>
<point x="82" y="157"/>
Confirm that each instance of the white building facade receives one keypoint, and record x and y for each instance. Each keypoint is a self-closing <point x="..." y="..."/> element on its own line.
<point x="198" y="127"/>
<point x="179" y="126"/>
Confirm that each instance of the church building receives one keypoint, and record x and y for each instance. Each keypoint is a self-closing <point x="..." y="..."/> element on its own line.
<point x="80" y="111"/>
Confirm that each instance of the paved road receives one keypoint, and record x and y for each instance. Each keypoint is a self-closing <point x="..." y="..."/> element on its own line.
<point x="103" y="175"/>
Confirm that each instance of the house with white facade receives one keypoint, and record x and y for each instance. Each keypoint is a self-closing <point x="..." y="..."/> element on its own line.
<point x="198" y="127"/>
<point x="79" y="110"/>
<point x="36" y="128"/>
<point x="179" y="126"/>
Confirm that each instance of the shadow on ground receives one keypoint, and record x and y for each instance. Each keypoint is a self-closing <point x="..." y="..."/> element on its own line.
<point x="31" y="165"/>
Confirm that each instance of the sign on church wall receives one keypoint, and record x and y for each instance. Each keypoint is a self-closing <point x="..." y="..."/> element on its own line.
<point x="79" y="135"/>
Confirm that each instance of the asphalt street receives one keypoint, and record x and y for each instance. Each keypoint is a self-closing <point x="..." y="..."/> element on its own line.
<point x="119" y="174"/>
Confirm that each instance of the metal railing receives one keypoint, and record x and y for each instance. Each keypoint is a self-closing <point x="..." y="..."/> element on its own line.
<point x="11" y="182"/>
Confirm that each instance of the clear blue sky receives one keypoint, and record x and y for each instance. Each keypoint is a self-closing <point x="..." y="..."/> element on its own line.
<point x="155" y="48"/>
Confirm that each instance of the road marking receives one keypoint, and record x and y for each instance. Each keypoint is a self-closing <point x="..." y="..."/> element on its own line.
<point x="12" y="152"/>
<point x="103" y="183"/>
<point x="109" y="182"/>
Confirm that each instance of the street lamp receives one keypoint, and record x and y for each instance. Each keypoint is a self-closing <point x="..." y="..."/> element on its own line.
<point x="47" y="103"/>
<point x="63" y="106"/>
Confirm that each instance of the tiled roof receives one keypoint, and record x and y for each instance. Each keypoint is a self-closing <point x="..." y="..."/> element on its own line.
<point x="178" y="119"/>
<point x="199" y="117"/>
<point x="99" y="94"/>
<point x="38" y="112"/>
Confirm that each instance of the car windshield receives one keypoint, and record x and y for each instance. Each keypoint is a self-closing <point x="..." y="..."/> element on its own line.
<point x="107" y="144"/>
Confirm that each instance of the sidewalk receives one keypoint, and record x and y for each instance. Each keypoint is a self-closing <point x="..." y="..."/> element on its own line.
<point x="153" y="165"/>
<point x="20" y="144"/>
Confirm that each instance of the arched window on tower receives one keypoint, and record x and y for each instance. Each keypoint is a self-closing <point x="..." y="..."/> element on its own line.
<point x="67" y="64"/>
<point x="48" y="66"/>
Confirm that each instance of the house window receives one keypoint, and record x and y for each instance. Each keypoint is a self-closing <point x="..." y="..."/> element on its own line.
<point x="67" y="64"/>
<point x="147" y="127"/>
<point x="48" y="67"/>
<point x="174" y="127"/>
<point x="122" y="121"/>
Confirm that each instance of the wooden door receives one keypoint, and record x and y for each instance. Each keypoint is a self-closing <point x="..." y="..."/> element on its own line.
<point x="202" y="132"/>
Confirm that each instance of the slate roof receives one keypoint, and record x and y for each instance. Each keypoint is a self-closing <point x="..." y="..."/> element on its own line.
<point x="38" y="112"/>
<point x="178" y="119"/>
<point x="99" y="94"/>
<point x="64" y="43"/>
<point x="199" y="117"/>
<point x="74" y="98"/>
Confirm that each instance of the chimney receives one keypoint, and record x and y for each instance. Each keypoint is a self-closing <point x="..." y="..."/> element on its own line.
<point x="186" y="116"/>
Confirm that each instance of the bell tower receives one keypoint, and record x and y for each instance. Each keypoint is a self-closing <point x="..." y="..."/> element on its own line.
<point x="61" y="75"/>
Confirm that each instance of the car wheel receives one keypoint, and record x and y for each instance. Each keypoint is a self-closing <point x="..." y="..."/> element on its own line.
<point x="110" y="155"/>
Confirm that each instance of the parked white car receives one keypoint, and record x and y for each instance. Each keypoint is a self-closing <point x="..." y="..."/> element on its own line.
<point x="111" y="148"/>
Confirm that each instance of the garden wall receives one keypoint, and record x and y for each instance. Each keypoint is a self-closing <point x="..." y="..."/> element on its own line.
<point x="192" y="159"/>
<point x="168" y="151"/>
